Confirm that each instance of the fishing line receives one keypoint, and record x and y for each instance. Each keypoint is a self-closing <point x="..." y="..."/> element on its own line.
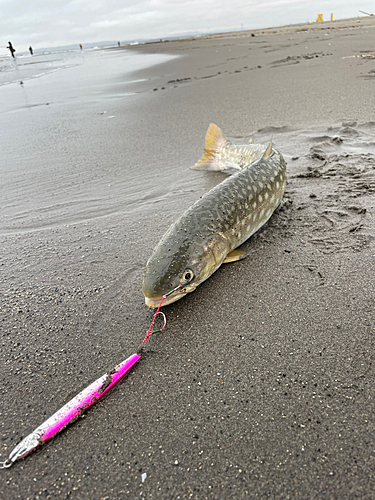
<point x="86" y="398"/>
<point x="150" y="331"/>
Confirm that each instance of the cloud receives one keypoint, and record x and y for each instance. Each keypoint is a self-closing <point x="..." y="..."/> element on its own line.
<point x="61" y="22"/>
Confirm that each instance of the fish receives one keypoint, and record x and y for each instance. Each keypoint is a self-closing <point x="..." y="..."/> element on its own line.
<point x="209" y="233"/>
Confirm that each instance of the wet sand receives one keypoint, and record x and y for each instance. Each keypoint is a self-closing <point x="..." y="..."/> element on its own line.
<point x="262" y="383"/>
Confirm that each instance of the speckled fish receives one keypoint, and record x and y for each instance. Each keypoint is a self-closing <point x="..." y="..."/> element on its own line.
<point x="209" y="232"/>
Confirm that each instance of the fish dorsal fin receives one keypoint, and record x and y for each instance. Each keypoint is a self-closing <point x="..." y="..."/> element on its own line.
<point x="268" y="152"/>
<point x="215" y="140"/>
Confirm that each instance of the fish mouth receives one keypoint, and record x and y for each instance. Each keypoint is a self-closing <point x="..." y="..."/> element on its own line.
<point x="154" y="302"/>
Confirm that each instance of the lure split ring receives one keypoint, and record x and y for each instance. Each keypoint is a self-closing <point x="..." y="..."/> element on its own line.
<point x="6" y="464"/>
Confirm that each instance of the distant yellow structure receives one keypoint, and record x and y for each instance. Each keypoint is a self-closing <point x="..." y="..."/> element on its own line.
<point x="320" y="18"/>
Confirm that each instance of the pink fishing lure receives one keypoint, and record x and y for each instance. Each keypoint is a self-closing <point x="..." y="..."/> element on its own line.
<point x="72" y="410"/>
<point x="76" y="406"/>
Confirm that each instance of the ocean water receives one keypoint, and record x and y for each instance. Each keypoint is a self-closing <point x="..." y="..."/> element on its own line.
<point x="68" y="147"/>
<point x="26" y="67"/>
<point x="64" y="76"/>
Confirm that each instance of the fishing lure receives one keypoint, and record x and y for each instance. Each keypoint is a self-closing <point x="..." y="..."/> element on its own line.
<point x="72" y="410"/>
<point x="76" y="406"/>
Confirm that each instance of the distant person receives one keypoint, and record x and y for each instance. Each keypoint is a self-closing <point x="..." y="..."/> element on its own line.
<point x="31" y="50"/>
<point x="11" y="48"/>
<point x="80" y="46"/>
<point x="119" y="44"/>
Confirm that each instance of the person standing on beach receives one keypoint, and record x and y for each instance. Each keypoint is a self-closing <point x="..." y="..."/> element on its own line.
<point x="11" y="48"/>
<point x="31" y="50"/>
<point x="80" y="46"/>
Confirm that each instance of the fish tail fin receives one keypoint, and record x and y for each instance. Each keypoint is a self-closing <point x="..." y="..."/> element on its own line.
<point x="215" y="140"/>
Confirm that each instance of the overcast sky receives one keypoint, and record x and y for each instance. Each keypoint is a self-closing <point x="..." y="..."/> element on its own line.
<point x="49" y="23"/>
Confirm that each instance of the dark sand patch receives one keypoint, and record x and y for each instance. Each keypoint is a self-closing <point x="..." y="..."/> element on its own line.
<point x="262" y="383"/>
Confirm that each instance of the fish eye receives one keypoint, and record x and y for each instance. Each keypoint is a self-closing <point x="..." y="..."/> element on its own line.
<point x="188" y="275"/>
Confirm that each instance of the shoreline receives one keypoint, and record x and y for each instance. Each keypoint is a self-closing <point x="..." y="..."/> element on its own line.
<point x="338" y="24"/>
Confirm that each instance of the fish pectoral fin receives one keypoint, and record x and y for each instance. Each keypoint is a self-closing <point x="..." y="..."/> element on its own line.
<point x="234" y="255"/>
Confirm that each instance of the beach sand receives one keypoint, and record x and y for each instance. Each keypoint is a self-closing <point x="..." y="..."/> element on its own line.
<point x="261" y="385"/>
